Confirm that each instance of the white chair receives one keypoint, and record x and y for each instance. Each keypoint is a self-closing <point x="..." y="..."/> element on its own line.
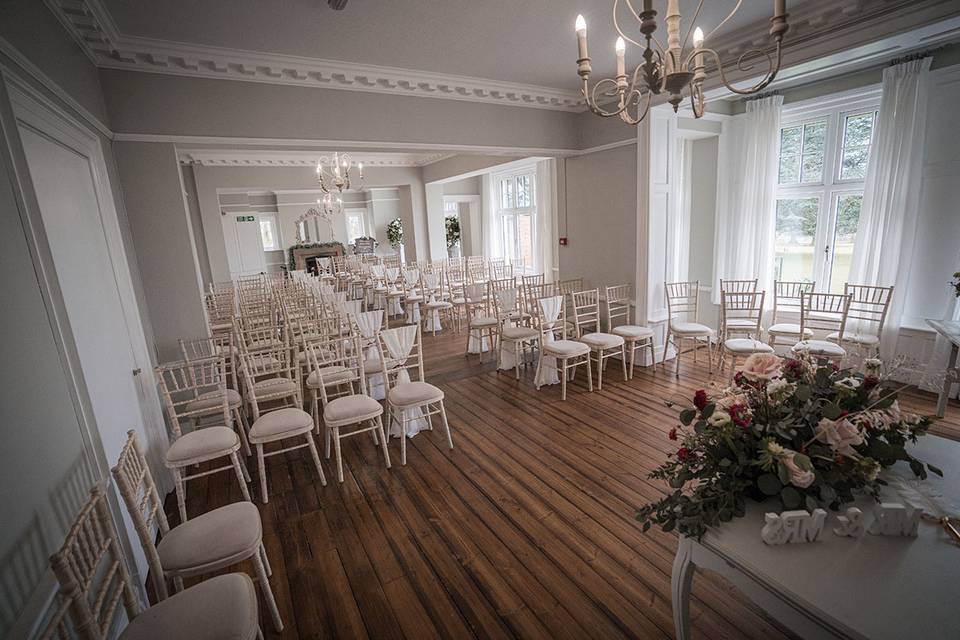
<point x="435" y="305"/>
<point x="192" y="392"/>
<point x="483" y="327"/>
<point x="733" y="325"/>
<point x="94" y="584"/>
<point x="210" y="542"/>
<point x="343" y="396"/>
<point x="683" y="309"/>
<point x="273" y="378"/>
<point x="827" y="313"/>
<point x="586" y="321"/>
<point x="551" y="321"/>
<point x="741" y="313"/>
<point x="618" y="301"/>
<point x="408" y="401"/>
<point x="520" y="338"/>
<point x="787" y="300"/>
<point x="868" y="311"/>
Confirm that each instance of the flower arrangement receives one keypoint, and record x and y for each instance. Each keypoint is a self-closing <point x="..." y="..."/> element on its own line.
<point x="956" y="284"/>
<point x="805" y="432"/>
<point x="452" y="224"/>
<point x="395" y="232"/>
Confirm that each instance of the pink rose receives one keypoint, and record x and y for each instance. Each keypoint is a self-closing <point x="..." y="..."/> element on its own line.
<point x="762" y="366"/>
<point x="841" y="435"/>
<point x="798" y="477"/>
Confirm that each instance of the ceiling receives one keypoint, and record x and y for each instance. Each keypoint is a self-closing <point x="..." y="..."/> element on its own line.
<point x="529" y="42"/>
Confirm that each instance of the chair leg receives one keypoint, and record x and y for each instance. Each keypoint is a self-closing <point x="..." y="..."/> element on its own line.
<point x="181" y="490"/>
<point x="710" y="353"/>
<point x="262" y="468"/>
<point x="589" y="374"/>
<point x="238" y="422"/>
<point x="177" y="584"/>
<point x="266" y="591"/>
<point x="383" y="438"/>
<point x="403" y="438"/>
<point x="599" y="369"/>
<point x="516" y="361"/>
<point x="563" y="380"/>
<point x="326" y="441"/>
<point x="446" y="424"/>
<point x="239" y="469"/>
<point x="653" y="354"/>
<point x="678" y="345"/>
<point x="623" y="359"/>
<point x="316" y="457"/>
<point x="266" y="560"/>
<point x="336" y="450"/>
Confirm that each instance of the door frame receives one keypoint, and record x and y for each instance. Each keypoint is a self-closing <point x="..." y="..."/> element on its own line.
<point x="21" y="104"/>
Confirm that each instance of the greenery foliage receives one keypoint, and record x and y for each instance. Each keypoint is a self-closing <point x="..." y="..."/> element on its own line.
<point x="453" y="230"/>
<point x="956" y="283"/>
<point x="395" y="232"/>
<point x="806" y="433"/>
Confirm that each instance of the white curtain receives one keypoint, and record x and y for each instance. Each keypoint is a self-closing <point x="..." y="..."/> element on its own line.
<point x="678" y="220"/>
<point x="491" y="227"/>
<point x="546" y="188"/>
<point x="746" y="196"/>
<point x="883" y="249"/>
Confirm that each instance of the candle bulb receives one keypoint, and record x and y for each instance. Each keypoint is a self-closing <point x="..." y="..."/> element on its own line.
<point x="779" y="8"/>
<point x="581" y="29"/>
<point x="698" y="57"/>
<point x="621" y="48"/>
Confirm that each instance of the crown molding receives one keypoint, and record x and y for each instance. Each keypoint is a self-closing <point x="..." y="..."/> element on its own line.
<point x="258" y="158"/>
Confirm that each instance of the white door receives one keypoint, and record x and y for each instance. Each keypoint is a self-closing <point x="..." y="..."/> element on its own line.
<point x="241" y="233"/>
<point x="81" y="227"/>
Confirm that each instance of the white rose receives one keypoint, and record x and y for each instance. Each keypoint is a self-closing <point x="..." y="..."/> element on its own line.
<point x="718" y="418"/>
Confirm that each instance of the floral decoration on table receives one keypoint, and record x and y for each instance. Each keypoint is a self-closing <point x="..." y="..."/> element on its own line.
<point x="803" y="431"/>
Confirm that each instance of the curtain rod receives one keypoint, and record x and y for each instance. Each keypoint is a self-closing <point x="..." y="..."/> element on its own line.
<point x="761" y="96"/>
<point x="915" y="56"/>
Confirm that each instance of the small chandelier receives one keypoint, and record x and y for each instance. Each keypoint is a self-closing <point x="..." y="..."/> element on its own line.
<point x="672" y="70"/>
<point x="333" y="174"/>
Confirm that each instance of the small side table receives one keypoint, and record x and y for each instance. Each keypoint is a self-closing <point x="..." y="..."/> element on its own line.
<point x="950" y="330"/>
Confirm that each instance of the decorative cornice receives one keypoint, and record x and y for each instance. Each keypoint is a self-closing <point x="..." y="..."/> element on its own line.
<point x="256" y="158"/>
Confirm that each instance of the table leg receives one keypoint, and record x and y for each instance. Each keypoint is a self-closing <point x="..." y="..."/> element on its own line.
<point x="680" y="582"/>
<point x="948" y="379"/>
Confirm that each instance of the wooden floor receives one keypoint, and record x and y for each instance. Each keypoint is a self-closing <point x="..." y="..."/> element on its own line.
<point x="526" y="529"/>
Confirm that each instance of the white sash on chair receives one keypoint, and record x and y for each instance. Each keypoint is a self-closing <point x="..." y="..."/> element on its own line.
<point x="370" y="323"/>
<point x="399" y="343"/>
<point x="349" y="307"/>
<point x="550" y="308"/>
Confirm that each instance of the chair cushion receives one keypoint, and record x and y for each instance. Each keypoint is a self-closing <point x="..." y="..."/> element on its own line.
<point x="788" y="329"/>
<point x="274" y="386"/>
<point x="746" y="345"/>
<point x="331" y="374"/>
<point x="212" y="401"/>
<point x="601" y="340"/>
<point x="855" y="338"/>
<point x="690" y="329"/>
<point x="566" y="348"/>
<point x="264" y="362"/>
<point x="205" y="443"/>
<point x="483" y="322"/>
<point x="820" y="348"/>
<point x="519" y="333"/>
<point x="632" y="332"/>
<point x="459" y="301"/>
<point x="221" y="608"/>
<point x="741" y="323"/>
<point x="350" y="410"/>
<point x="439" y="304"/>
<point x="408" y="394"/>
<point x="287" y="421"/>
<point x="214" y="539"/>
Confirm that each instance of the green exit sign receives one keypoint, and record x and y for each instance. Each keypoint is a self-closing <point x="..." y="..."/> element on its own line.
<point x="246" y="218"/>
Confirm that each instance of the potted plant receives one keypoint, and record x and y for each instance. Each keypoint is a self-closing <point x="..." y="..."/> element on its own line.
<point x="452" y="224"/>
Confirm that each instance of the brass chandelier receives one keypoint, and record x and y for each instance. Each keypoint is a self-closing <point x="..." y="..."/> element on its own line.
<point x="673" y="70"/>
<point x="334" y="174"/>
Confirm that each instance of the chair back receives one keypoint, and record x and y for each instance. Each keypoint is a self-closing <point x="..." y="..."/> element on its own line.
<point x="532" y="292"/>
<point x="683" y="300"/>
<point x="551" y="317"/>
<point x="183" y="383"/>
<point x="618" y="300"/>
<point x="93" y="578"/>
<point x="738" y="286"/>
<point x="506" y="301"/>
<point x="743" y="306"/>
<point x="401" y="351"/>
<point x="215" y="346"/>
<point x="326" y="359"/>
<point x="868" y="306"/>
<point x="476" y="301"/>
<point x="824" y="312"/>
<point x="787" y="296"/>
<point x="586" y="311"/>
<point x="140" y="495"/>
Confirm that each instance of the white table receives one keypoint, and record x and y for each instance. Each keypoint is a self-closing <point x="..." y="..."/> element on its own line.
<point x="876" y="587"/>
<point x="950" y="330"/>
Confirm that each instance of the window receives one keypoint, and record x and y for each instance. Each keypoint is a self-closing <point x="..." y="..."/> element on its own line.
<point x="822" y="166"/>
<point x="518" y="211"/>
<point x="269" y="232"/>
<point x="356" y="227"/>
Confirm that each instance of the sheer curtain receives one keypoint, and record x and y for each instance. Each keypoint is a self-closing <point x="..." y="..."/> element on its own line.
<point x="491" y="227"/>
<point x="746" y="196"/>
<point x="883" y="249"/>
<point x="545" y="186"/>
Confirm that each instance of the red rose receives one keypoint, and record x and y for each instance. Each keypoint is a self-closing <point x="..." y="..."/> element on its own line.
<point x="673" y="434"/>
<point x="840" y="459"/>
<point x="683" y="453"/>
<point x="869" y="382"/>
<point x="740" y="414"/>
<point x="700" y="399"/>
<point x="739" y="379"/>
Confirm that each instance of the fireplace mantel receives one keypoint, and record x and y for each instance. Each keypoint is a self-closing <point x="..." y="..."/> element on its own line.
<point x="300" y="254"/>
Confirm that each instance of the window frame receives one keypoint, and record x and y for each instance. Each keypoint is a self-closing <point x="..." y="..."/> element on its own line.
<point x="834" y="112"/>
<point x="274" y="218"/>
<point x="356" y="212"/>
<point x="513" y="213"/>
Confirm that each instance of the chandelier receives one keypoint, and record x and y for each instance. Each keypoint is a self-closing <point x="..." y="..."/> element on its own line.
<point x="327" y="208"/>
<point x="672" y="70"/>
<point x="333" y="174"/>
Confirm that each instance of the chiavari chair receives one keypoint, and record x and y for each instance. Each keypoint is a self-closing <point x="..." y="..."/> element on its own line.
<point x="586" y="322"/>
<point x="868" y="311"/>
<point x="619" y="299"/>
<point x="551" y="321"/>
<point x="683" y="309"/>
<point x="826" y="313"/>
<point x="744" y="307"/>
<point x="787" y="298"/>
